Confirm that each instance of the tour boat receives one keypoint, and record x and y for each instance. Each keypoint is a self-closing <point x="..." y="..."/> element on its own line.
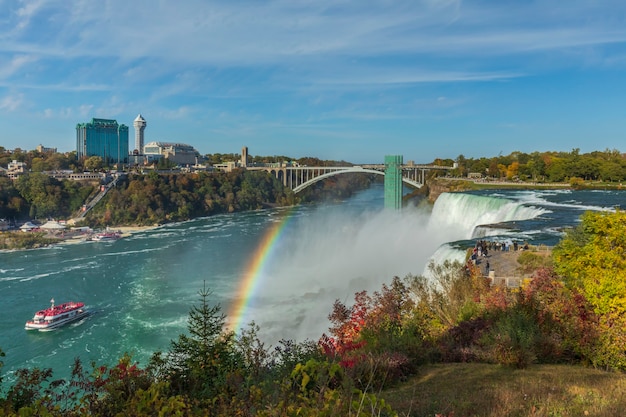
<point x="106" y="236"/>
<point x="57" y="316"/>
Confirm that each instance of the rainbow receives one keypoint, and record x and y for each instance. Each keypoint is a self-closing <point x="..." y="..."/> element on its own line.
<point x="253" y="273"/>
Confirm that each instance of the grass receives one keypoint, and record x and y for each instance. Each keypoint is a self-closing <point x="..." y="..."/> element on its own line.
<point x="465" y="389"/>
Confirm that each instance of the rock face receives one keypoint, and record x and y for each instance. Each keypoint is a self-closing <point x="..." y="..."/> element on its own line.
<point x="437" y="186"/>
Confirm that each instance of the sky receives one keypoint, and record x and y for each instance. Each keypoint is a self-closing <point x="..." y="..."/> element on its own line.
<point x="350" y="80"/>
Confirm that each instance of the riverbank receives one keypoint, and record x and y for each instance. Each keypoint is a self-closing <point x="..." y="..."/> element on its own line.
<point x="19" y="240"/>
<point x="125" y="231"/>
<point x="439" y="185"/>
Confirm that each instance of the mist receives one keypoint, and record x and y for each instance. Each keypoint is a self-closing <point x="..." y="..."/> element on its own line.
<point x="330" y="254"/>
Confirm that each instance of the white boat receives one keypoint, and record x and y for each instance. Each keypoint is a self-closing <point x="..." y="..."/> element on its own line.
<point x="56" y="316"/>
<point x="106" y="236"/>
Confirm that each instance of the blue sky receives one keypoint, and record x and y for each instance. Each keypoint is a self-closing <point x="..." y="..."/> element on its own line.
<point x="335" y="79"/>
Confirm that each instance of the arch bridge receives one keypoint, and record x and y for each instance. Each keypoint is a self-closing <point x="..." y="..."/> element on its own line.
<point x="297" y="178"/>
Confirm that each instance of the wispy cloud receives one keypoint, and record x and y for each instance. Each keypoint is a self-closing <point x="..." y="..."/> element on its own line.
<point x="269" y="61"/>
<point x="280" y="32"/>
<point x="11" y="103"/>
<point x="14" y="64"/>
<point x="28" y="10"/>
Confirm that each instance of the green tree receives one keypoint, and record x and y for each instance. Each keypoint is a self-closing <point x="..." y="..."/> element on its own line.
<point x="612" y="171"/>
<point x="43" y="193"/>
<point x="557" y="170"/>
<point x="94" y="163"/>
<point x="591" y="259"/>
<point x="198" y="363"/>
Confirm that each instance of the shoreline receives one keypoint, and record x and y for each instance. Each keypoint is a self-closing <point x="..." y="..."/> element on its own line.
<point x="44" y="239"/>
<point x="126" y="231"/>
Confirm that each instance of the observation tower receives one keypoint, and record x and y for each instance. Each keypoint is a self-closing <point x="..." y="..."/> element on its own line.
<point x="140" y="126"/>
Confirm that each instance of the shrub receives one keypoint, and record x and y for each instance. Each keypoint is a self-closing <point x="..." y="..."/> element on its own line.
<point x="512" y="340"/>
<point x="531" y="261"/>
<point x="460" y="343"/>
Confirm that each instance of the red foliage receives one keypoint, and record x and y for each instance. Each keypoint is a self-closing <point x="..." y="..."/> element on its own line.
<point x="560" y="310"/>
<point x="497" y="298"/>
<point x="382" y="311"/>
<point x="347" y="324"/>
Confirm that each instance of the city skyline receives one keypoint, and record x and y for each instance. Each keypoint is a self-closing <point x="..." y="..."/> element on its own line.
<point x="354" y="81"/>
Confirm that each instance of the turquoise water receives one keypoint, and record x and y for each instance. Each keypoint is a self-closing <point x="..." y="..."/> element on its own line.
<point x="141" y="288"/>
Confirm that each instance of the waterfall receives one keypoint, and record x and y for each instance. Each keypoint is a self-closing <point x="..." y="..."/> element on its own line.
<point x="457" y="215"/>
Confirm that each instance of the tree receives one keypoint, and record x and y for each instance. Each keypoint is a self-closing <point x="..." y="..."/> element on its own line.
<point x="42" y="192"/>
<point x="612" y="171"/>
<point x="591" y="259"/>
<point x="557" y="170"/>
<point x="93" y="163"/>
<point x="199" y="363"/>
<point x="512" y="170"/>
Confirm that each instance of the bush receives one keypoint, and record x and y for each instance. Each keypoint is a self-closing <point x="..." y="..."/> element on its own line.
<point x="531" y="261"/>
<point x="512" y="340"/>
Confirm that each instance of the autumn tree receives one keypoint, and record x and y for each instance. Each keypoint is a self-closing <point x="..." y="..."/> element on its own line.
<point x="592" y="259"/>
<point x="94" y="163"/>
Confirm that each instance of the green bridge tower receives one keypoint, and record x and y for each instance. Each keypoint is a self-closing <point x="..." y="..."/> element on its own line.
<point x="393" y="181"/>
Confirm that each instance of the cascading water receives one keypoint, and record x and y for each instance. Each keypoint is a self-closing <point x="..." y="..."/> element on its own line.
<point x="457" y="215"/>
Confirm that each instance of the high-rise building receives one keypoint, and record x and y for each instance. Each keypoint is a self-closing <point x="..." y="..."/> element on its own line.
<point x="104" y="138"/>
<point x="140" y="126"/>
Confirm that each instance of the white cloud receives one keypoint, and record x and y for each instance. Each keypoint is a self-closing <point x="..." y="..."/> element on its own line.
<point x="25" y="13"/>
<point x="279" y="32"/>
<point x="271" y="61"/>
<point x="12" y="103"/>
<point x="67" y="113"/>
<point x="14" y="64"/>
<point x="85" y="110"/>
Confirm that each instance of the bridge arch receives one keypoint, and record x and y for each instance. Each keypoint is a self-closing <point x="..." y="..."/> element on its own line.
<point x="350" y="170"/>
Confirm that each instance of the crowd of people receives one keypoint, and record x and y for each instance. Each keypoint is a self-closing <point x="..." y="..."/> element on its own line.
<point x="483" y="247"/>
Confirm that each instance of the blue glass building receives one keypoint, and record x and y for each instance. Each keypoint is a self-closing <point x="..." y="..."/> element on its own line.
<point x="104" y="138"/>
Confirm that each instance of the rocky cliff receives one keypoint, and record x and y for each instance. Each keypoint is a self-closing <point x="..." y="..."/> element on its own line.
<point x="436" y="186"/>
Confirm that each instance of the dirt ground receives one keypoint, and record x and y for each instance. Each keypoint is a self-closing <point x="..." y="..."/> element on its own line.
<point x="504" y="263"/>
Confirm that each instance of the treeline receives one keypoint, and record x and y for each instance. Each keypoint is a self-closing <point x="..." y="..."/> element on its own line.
<point x="39" y="196"/>
<point x="146" y="199"/>
<point x="569" y="313"/>
<point x="607" y="166"/>
<point x="155" y="198"/>
<point x="159" y="198"/>
<point x="552" y="166"/>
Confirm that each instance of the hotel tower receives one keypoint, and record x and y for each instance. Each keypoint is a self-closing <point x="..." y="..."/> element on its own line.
<point x="140" y="126"/>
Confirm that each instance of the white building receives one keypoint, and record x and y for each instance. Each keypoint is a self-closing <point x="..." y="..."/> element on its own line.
<point x="15" y="169"/>
<point x="179" y="153"/>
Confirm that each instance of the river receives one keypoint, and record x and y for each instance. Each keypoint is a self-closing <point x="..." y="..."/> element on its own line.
<point x="282" y="268"/>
